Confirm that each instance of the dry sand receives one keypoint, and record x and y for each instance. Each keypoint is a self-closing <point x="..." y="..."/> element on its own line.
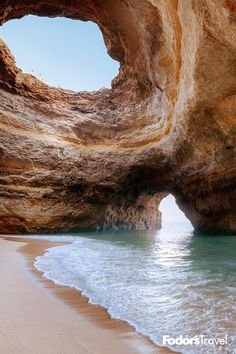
<point x="39" y="317"/>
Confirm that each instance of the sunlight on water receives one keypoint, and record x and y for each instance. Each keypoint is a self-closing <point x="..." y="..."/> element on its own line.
<point x="162" y="282"/>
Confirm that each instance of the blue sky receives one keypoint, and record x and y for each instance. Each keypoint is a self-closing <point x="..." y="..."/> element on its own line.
<point x="64" y="52"/>
<point x="70" y="54"/>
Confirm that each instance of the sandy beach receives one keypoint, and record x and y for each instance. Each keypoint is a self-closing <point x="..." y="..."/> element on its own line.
<point x="38" y="316"/>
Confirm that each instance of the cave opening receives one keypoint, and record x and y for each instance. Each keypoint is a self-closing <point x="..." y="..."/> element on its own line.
<point x="171" y="212"/>
<point x="63" y="53"/>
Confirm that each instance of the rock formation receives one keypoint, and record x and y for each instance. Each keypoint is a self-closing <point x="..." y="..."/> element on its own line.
<point x="83" y="160"/>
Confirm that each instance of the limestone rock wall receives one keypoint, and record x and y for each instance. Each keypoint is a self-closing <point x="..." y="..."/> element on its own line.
<point x="83" y="160"/>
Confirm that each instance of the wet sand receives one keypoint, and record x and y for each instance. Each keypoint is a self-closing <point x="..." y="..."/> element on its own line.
<point x="38" y="316"/>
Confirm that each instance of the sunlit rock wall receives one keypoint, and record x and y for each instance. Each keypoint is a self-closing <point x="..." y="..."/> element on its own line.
<point x="73" y="160"/>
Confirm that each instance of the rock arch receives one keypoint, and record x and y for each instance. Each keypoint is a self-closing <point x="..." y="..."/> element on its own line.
<point x="105" y="159"/>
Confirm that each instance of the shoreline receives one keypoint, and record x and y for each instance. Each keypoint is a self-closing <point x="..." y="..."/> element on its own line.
<point x="125" y="334"/>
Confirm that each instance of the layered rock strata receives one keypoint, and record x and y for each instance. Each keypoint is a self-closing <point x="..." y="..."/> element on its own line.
<point x="106" y="159"/>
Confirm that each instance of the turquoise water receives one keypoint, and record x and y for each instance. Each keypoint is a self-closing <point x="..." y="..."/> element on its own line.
<point x="165" y="282"/>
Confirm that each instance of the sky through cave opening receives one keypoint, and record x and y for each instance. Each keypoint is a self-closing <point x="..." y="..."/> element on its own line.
<point x="65" y="53"/>
<point x="70" y="54"/>
<point x="171" y="212"/>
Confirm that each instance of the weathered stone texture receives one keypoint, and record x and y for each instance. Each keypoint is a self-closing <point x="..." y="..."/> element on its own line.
<point x="105" y="159"/>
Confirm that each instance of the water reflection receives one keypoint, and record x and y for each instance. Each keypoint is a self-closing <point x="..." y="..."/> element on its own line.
<point x="166" y="281"/>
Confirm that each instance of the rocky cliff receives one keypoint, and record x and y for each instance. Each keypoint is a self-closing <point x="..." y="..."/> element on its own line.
<point x="106" y="159"/>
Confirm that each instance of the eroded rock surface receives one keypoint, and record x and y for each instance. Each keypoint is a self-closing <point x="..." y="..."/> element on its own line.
<point x="106" y="159"/>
